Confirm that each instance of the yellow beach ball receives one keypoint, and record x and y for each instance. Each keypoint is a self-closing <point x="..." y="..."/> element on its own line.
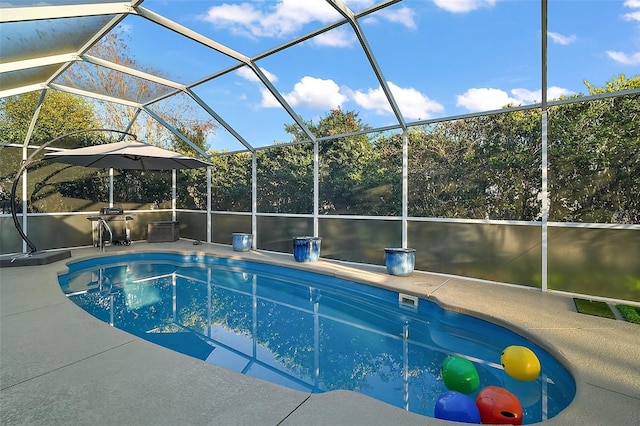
<point x="520" y="363"/>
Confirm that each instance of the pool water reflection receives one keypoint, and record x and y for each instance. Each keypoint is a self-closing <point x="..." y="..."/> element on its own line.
<point x="307" y="331"/>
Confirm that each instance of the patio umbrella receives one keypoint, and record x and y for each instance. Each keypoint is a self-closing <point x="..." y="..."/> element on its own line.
<point x="120" y="155"/>
<point x="129" y="155"/>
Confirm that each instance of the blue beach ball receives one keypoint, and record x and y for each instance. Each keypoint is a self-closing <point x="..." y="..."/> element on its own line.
<point x="456" y="407"/>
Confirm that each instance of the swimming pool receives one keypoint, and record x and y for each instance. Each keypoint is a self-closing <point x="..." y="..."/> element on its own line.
<point x="306" y="331"/>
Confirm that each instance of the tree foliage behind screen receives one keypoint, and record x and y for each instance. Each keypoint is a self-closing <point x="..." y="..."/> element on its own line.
<point x="487" y="167"/>
<point x="480" y="168"/>
<point x="594" y="156"/>
<point x="114" y="47"/>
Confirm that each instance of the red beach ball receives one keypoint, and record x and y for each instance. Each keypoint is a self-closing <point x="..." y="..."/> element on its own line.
<point x="498" y="406"/>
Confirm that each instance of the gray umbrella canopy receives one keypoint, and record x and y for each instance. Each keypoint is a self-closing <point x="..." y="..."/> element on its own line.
<point x="125" y="156"/>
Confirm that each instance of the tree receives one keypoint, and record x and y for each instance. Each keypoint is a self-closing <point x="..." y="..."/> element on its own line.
<point x="384" y="175"/>
<point x="489" y="167"/>
<point x="285" y="179"/>
<point x="231" y="182"/>
<point x="594" y="156"/>
<point x="443" y="176"/>
<point x="485" y="167"/>
<point x="343" y="162"/>
<point x="176" y="110"/>
<point x="60" y="113"/>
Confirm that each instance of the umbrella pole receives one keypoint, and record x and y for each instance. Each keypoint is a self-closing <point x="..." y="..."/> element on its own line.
<point x="28" y="162"/>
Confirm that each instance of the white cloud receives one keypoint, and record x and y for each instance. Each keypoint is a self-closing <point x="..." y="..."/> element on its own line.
<point x="339" y="37"/>
<point x="635" y="15"/>
<point x="623" y="58"/>
<point x="561" y="39"/>
<point x="487" y="99"/>
<point x="555" y="92"/>
<point x="316" y="93"/>
<point x="463" y="6"/>
<point x="526" y="96"/>
<point x="413" y="104"/>
<point x="484" y="99"/>
<point x="322" y="95"/>
<point x="359" y="4"/>
<point x="279" y="19"/>
<point x="309" y="92"/>
<point x="248" y="74"/>
<point x="236" y="17"/>
<point x="284" y="18"/>
<point x="373" y="99"/>
<point x="268" y="100"/>
<point x="403" y="16"/>
<point x="632" y="3"/>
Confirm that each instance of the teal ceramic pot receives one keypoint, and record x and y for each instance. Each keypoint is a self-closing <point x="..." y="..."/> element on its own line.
<point x="306" y="249"/>
<point x="241" y="242"/>
<point x="399" y="261"/>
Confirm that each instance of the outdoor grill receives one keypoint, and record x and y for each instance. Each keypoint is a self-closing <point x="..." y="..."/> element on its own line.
<point x="110" y="226"/>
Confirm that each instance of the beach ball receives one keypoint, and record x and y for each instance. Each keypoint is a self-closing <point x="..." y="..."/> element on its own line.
<point x="520" y="363"/>
<point x="456" y="407"/>
<point x="498" y="406"/>
<point x="459" y="374"/>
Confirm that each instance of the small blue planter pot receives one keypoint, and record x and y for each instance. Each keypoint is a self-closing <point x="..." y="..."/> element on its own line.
<point x="306" y="249"/>
<point x="399" y="261"/>
<point x="241" y="242"/>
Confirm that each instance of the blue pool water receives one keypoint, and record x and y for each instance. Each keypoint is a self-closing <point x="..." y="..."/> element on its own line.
<point x="307" y="331"/>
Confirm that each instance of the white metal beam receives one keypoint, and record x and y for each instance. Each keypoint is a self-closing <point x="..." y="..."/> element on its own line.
<point x="136" y="113"/>
<point x="263" y="78"/>
<point x="21" y="90"/>
<point x="219" y="119"/>
<point x="180" y="29"/>
<point x="195" y="36"/>
<point x="131" y="71"/>
<point x="93" y="95"/>
<point x="33" y="13"/>
<point x="544" y="189"/>
<point x="41" y="61"/>
<point x="341" y="8"/>
<point x="176" y="132"/>
<point x="93" y="40"/>
<point x="405" y="188"/>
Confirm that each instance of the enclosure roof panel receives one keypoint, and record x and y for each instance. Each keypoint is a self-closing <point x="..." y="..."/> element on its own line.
<point x="256" y="70"/>
<point x="46" y="45"/>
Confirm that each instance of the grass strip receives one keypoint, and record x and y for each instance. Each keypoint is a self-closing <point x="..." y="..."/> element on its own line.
<point x="630" y="313"/>
<point x="590" y="307"/>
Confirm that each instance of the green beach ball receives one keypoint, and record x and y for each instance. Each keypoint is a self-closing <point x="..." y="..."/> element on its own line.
<point x="459" y="374"/>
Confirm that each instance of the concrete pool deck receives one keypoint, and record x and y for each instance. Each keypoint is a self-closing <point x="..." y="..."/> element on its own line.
<point x="61" y="366"/>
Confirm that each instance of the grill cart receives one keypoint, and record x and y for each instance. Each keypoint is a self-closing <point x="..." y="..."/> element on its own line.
<point x="110" y="226"/>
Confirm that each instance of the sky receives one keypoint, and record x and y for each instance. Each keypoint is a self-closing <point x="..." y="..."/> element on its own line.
<point x="439" y="57"/>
